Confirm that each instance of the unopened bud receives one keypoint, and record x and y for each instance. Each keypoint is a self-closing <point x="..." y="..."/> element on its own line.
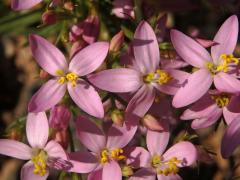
<point x="43" y="74"/>
<point x="127" y="170"/>
<point x="117" y="42"/>
<point x="117" y="117"/>
<point x="152" y="123"/>
<point x="69" y="6"/>
<point x="62" y="137"/>
<point x="59" y="117"/>
<point x="49" y="17"/>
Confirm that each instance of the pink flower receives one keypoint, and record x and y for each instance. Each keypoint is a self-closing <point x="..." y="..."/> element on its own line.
<point x="212" y="68"/>
<point x="41" y="155"/>
<point x="123" y="9"/>
<point x="207" y="110"/>
<point x="144" y="77"/>
<point x="231" y="138"/>
<point x="155" y="162"/>
<point x="67" y="77"/>
<point x="105" y="150"/>
<point x="24" y="4"/>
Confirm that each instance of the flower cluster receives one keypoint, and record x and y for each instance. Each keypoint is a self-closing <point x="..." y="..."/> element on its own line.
<point x="123" y="95"/>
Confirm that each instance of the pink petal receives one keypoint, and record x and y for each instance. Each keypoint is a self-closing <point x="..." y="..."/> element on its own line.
<point x="233" y="106"/>
<point x="202" y="108"/>
<point x="179" y="78"/>
<point x="231" y="138"/>
<point x="27" y="172"/>
<point x="119" y="137"/>
<point x="226" y="83"/>
<point x="89" y="59"/>
<point x="47" y="96"/>
<point x="169" y="177"/>
<point x="47" y="55"/>
<point x="87" y="98"/>
<point x="37" y="129"/>
<point x="157" y="141"/>
<point x="117" y="80"/>
<point x="22" y="5"/>
<point x="54" y="149"/>
<point x="143" y="174"/>
<point x="207" y="121"/>
<point x="191" y="51"/>
<point x="173" y="64"/>
<point x="196" y="86"/>
<point x="95" y="175"/>
<point x="141" y="101"/>
<point x="184" y="151"/>
<point x="206" y="43"/>
<point x="146" y="49"/>
<point x="229" y="116"/>
<point x="123" y="8"/>
<point x="111" y="171"/>
<point x="227" y="37"/>
<point x="15" y="149"/>
<point x="83" y="162"/>
<point x="137" y="156"/>
<point x="90" y="135"/>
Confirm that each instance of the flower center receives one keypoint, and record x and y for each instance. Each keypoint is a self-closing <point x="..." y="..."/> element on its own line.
<point x="221" y="100"/>
<point x="116" y="154"/>
<point x="160" y="76"/>
<point x="224" y="66"/>
<point x="165" y="167"/>
<point x="69" y="77"/>
<point x="40" y="162"/>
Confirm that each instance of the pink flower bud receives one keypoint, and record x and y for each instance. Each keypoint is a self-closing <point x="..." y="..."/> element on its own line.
<point x="117" y="117"/>
<point x="49" y="17"/>
<point x="117" y="42"/>
<point x="62" y="137"/>
<point x="123" y="9"/>
<point x="43" y="74"/>
<point x="91" y="29"/>
<point x="75" y="32"/>
<point x="59" y="117"/>
<point x="152" y="123"/>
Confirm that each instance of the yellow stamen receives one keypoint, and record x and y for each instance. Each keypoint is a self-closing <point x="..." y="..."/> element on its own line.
<point x="226" y="60"/>
<point x="156" y="161"/>
<point x="221" y="100"/>
<point x="160" y="76"/>
<point x="116" y="154"/>
<point x="127" y="171"/>
<point x="69" y="77"/>
<point x="60" y="72"/>
<point x="39" y="161"/>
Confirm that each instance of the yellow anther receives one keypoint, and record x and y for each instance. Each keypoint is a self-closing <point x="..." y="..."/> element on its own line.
<point x="127" y="171"/>
<point x="156" y="160"/>
<point x="221" y="100"/>
<point x="160" y="76"/>
<point x="39" y="161"/>
<point x="69" y="77"/>
<point x="169" y="167"/>
<point x="148" y="78"/>
<point x="60" y="72"/>
<point x="117" y="154"/>
<point x="226" y="60"/>
<point x="163" y="77"/>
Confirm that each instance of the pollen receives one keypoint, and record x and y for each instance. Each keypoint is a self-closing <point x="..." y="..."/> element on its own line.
<point x="160" y="76"/>
<point x="227" y="60"/>
<point x="39" y="162"/>
<point x="69" y="77"/>
<point x="221" y="100"/>
<point x="116" y="154"/>
<point x="156" y="161"/>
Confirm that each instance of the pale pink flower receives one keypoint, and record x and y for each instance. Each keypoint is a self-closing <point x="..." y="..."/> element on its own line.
<point x="67" y="77"/>
<point x="144" y="77"/>
<point x="105" y="150"/>
<point x="41" y="155"/>
<point x="24" y="4"/>
<point x="212" y="68"/>
<point x="123" y="9"/>
<point x="155" y="162"/>
<point x="207" y="110"/>
<point x="231" y="138"/>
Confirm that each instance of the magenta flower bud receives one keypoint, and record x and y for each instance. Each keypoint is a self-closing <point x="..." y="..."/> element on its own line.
<point x="59" y="117"/>
<point x="152" y="123"/>
<point x="117" y="42"/>
<point x="91" y="29"/>
<point x="49" y="17"/>
<point x="123" y="9"/>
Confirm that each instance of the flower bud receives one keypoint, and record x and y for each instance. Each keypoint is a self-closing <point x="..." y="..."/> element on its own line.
<point x="62" y="137"/>
<point x="127" y="170"/>
<point x="68" y="6"/>
<point x="91" y="29"/>
<point x="117" y="42"/>
<point x="123" y="9"/>
<point x="152" y="123"/>
<point x="59" y="117"/>
<point x="43" y="74"/>
<point x="117" y="117"/>
<point x="49" y="17"/>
